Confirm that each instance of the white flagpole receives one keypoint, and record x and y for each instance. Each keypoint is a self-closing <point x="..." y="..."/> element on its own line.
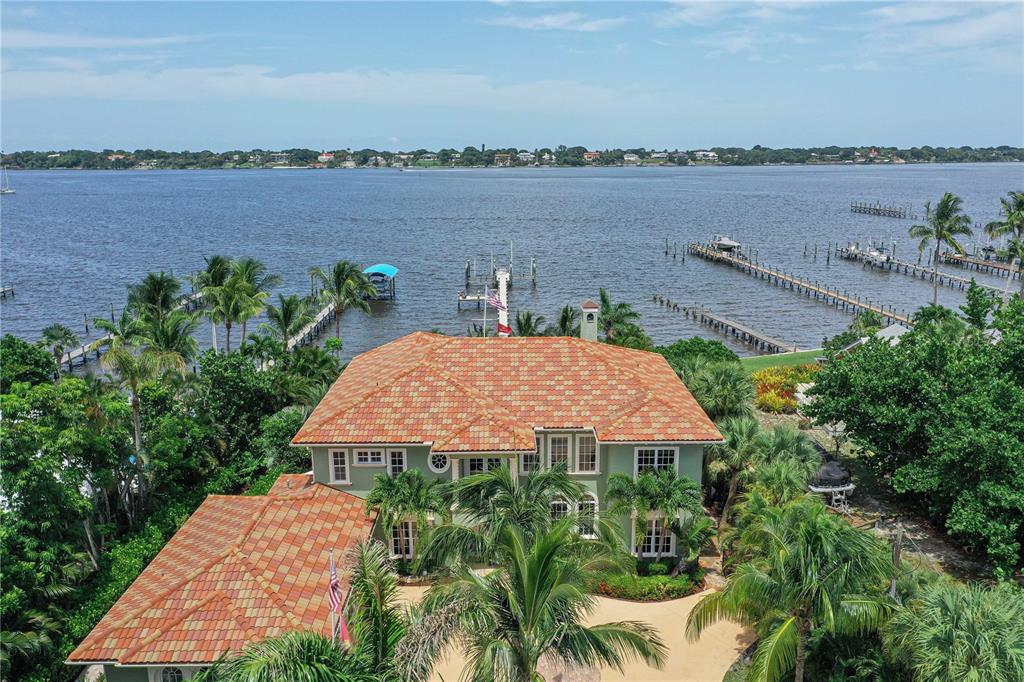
<point x="334" y="628"/>
<point x="486" y="306"/>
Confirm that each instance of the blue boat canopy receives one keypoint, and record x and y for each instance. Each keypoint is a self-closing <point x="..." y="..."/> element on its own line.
<point x="381" y="268"/>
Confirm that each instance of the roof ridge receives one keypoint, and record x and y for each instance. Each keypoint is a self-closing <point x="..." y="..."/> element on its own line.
<point x="269" y="589"/>
<point x="626" y="414"/>
<point x="161" y="631"/>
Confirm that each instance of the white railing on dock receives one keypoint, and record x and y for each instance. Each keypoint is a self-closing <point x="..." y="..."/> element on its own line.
<point x="313" y="329"/>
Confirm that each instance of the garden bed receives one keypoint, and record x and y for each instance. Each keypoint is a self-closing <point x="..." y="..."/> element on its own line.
<point x="649" y="584"/>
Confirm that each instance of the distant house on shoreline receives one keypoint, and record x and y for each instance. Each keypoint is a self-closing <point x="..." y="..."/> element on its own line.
<point x="706" y="156"/>
<point x="630" y="159"/>
<point x="325" y="157"/>
<point x="591" y="157"/>
<point x="502" y="160"/>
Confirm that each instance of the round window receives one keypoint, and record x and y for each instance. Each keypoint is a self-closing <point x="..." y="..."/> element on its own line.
<point x="438" y="463"/>
<point x="171" y="675"/>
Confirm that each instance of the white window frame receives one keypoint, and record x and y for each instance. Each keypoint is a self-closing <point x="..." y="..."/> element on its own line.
<point x="564" y="506"/>
<point x="357" y="451"/>
<point x="658" y="450"/>
<point x="639" y="550"/>
<point x="411" y="538"/>
<point x="487" y="463"/>
<point x="568" y="450"/>
<point x="538" y="458"/>
<point x="447" y="462"/>
<point x="597" y="456"/>
<point x="332" y="479"/>
<point x="588" y="498"/>
<point x="390" y="465"/>
<point x="155" y="673"/>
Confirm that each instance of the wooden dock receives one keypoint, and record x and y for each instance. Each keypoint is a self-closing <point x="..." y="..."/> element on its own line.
<point x="980" y="264"/>
<point x="840" y="300"/>
<point x="467" y="297"/>
<point x="6" y="291"/>
<point x="908" y="268"/>
<point x="878" y="209"/>
<point x="752" y="337"/>
<point x="81" y="355"/>
<point x="311" y="331"/>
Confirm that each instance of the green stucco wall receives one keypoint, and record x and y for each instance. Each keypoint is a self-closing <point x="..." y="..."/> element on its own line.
<point x="114" y="674"/>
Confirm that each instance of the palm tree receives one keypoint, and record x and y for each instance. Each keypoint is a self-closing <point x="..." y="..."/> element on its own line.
<point x="262" y="347"/>
<point x="694" y="532"/>
<point x="662" y="492"/>
<point x="492" y="501"/>
<point x="155" y="296"/>
<point x="287" y="318"/>
<point x="125" y="332"/>
<point x="58" y="339"/>
<point x="810" y="570"/>
<point x="629" y="495"/>
<point x="613" y="315"/>
<point x="229" y="304"/>
<point x="528" y="610"/>
<point x="345" y="286"/>
<point x="785" y="442"/>
<point x="172" y="337"/>
<point x="1012" y="224"/>
<point x="216" y="274"/>
<point x="528" y="324"/>
<point x="257" y="284"/>
<point x="723" y="389"/>
<point x="293" y="655"/>
<point x="568" y="322"/>
<point x="733" y="459"/>
<point x="960" y="632"/>
<point x="378" y="624"/>
<point x="944" y="223"/>
<point x="407" y="495"/>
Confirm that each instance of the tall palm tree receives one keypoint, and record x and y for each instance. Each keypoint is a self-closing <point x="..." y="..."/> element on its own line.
<point x="694" y="532"/>
<point x="126" y="331"/>
<point x="344" y="286"/>
<point x="408" y="495"/>
<point x="229" y="304"/>
<point x="663" y="493"/>
<point x="492" y="501"/>
<point x="960" y="632"/>
<point x="733" y="459"/>
<point x="257" y="284"/>
<point x="528" y="610"/>
<point x="1012" y="224"/>
<point x="287" y="318"/>
<point x="613" y="315"/>
<point x="156" y="295"/>
<point x="528" y="324"/>
<point x="723" y="389"/>
<point x="262" y="347"/>
<point x="945" y="223"/>
<point x="632" y="496"/>
<point x="216" y="274"/>
<point x="378" y="623"/>
<point x="58" y="339"/>
<point x="810" y="570"/>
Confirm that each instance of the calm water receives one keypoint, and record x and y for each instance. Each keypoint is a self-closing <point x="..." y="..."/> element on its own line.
<point x="73" y="241"/>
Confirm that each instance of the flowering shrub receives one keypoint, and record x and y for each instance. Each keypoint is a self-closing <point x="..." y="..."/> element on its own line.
<point x="776" y="386"/>
<point x="775" y="402"/>
<point x="647" y="588"/>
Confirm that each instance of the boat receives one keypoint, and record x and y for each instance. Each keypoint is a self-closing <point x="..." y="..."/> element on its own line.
<point x="5" y="184"/>
<point x="382" y="277"/>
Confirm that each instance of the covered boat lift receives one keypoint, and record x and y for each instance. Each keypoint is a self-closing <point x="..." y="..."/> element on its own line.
<point x="382" y="276"/>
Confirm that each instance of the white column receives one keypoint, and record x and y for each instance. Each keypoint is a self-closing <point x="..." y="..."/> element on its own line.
<point x="503" y="277"/>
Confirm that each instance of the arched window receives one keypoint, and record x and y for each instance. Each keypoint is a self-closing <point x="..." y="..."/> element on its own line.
<point x="171" y="675"/>
<point x="559" y="509"/>
<point x="587" y="510"/>
<point x="438" y="462"/>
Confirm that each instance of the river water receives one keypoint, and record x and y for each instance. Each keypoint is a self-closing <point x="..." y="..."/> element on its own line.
<point x="72" y="241"/>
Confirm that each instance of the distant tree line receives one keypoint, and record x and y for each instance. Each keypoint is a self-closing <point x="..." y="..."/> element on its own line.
<point x="116" y="159"/>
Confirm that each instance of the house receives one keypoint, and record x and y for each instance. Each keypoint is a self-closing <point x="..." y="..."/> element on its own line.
<point x="428" y="157"/>
<point x="525" y="157"/>
<point x="502" y="160"/>
<point x="325" y="157"/>
<point x="348" y="163"/>
<point x="278" y="157"/>
<point x="630" y="159"/>
<point x="241" y="569"/>
<point x="706" y="156"/>
<point x="891" y="334"/>
<point x="455" y="406"/>
<point x="245" y="568"/>
<point x="659" y="155"/>
<point x="591" y="157"/>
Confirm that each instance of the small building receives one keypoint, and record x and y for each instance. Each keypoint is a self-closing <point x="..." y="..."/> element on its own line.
<point x="659" y="155"/>
<point x="428" y="157"/>
<point x="525" y="157"/>
<point x="278" y="157"/>
<point x="706" y="156"/>
<point x="502" y="160"/>
<point x="325" y="157"/>
<point x="630" y="159"/>
<point x="348" y="163"/>
<point x="591" y="157"/>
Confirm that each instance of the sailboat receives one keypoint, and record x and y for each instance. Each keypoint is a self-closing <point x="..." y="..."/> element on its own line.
<point x="5" y="184"/>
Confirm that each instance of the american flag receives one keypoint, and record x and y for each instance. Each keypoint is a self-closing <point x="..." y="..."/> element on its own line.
<point x="495" y="301"/>
<point x="334" y="591"/>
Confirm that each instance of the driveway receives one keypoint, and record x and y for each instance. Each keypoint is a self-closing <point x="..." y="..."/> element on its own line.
<point x="705" y="660"/>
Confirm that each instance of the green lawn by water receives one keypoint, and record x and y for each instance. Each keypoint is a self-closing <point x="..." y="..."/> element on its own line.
<point x="780" y="360"/>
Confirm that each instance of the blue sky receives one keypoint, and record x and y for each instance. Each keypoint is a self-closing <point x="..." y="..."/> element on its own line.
<point x="192" y="75"/>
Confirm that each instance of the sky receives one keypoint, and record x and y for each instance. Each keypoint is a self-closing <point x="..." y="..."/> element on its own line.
<point x="391" y="75"/>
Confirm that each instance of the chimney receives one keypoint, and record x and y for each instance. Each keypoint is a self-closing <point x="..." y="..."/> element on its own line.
<point x="588" y="320"/>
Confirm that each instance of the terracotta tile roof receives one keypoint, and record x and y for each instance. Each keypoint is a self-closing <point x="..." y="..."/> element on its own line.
<point x="464" y="394"/>
<point x="239" y="570"/>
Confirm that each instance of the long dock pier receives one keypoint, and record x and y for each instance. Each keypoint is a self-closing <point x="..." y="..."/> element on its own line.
<point x="878" y="209"/>
<point x="6" y="291"/>
<point x="311" y="331"/>
<point x="81" y="355"/>
<point x="980" y="264"/>
<point x="840" y="300"/>
<point x="908" y="268"/>
<point x="750" y="336"/>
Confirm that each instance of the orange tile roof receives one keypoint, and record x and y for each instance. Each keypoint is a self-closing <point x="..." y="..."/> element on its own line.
<point x="466" y="394"/>
<point x="241" y="569"/>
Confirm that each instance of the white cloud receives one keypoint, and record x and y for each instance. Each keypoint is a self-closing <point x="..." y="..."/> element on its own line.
<point x="563" y="21"/>
<point x="20" y="39"/>
<point x="918" y="12"/>
<point x="869" y="65"/>
<point x="977" y="31"/>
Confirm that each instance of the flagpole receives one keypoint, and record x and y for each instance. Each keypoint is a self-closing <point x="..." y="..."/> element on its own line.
<point x="334" y="629"/>
<point x="486" y="306"/>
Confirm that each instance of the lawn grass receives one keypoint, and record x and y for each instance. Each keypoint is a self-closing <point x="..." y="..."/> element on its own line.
<point x="803" y="357"/>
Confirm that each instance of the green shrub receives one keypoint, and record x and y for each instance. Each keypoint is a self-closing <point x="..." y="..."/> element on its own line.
<point x="775" y="403"/>
<point x="654" y="568"/>
<point x="684" y="349"/>
<point x="646" y="588"/>
<point x="24" y="361"/>
<point x="263" y="484"/>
